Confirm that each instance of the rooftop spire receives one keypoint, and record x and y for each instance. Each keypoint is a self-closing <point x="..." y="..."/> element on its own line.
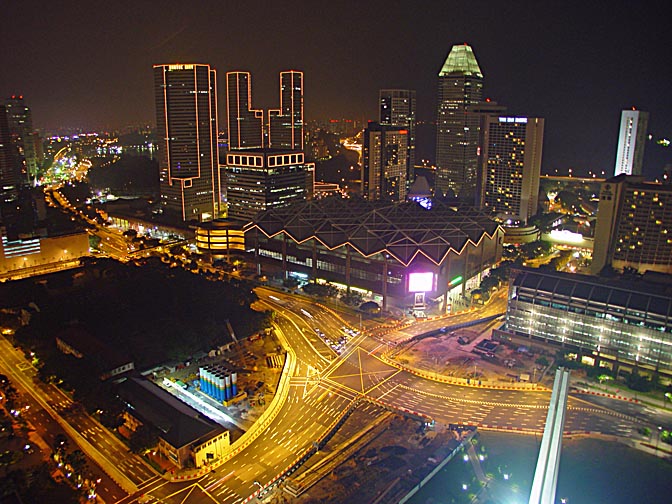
<point x="461" y="60"/>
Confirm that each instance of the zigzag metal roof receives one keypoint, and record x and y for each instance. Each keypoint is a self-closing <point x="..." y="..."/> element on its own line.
<point x="403" y="230"/>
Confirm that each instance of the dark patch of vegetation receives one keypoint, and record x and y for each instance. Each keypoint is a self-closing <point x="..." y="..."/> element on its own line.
<point x="394" y="449"/>
<point x="36" y="485"/>
<point x="143" y="438"/>
<point x="320" y="290"/>
<point x="129" y="175"/>
<point x="153" y="314"/>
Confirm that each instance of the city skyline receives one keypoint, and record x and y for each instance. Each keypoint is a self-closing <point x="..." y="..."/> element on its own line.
<point x="576" y="73"/>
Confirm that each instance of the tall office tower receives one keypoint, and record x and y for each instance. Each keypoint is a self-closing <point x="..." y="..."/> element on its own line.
<point x="384" y="162"/>
<point x="186" y="121"/>
<point x="397" y="108"/>
<point x="634" y="225"/>
<point x="631" y="142"/>
<point x="245" y="124"/>
<point x="511" y="166"/>
<point x="285" y="125"/>
<point x="457" y="129"/>
<point x="8" y="168"/>
<point x="20" y="120"/>
<point x="259" y="179"/>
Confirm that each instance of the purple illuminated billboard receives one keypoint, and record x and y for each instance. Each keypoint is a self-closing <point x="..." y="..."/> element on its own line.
<point x="420" y="282"/>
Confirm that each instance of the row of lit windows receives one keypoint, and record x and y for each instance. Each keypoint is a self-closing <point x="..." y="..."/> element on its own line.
<point x="652" y="347"/>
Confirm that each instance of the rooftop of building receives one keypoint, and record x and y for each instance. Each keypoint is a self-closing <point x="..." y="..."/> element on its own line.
<point x="232" y="224"/>
<point x="180" y="425"/>
<point x="461" y="61"/>
<point x="651" y="293"/>
<point x="265" y="150"/>
<point x="402" y="230"/>
<point x="638" y="181"/>
<point x="104" y="356"/>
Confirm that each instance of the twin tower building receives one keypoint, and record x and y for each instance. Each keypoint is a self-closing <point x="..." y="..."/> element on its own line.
<point x="264" y="162"/>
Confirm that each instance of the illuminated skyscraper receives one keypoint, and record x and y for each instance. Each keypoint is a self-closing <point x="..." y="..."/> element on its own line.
<point x="186" y="120"/>
<point x="8" y="171"/>
<point x="245" y="124"/>
<point x="631" y="142"/>
<point x="511" y="166"/>
<point x="397" y="108"/>
<point x="457" y="128"/>
<point x="384" y="162"/>
<point x="20" y="121"/>
<point x="285" y="125"/>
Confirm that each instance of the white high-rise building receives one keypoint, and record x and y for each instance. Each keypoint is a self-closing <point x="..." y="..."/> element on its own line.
<point x="631" y="142"/>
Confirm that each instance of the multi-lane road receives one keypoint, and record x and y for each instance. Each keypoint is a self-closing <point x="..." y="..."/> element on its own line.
<point x="52" y="412"/>
<point x="324" y="385"/>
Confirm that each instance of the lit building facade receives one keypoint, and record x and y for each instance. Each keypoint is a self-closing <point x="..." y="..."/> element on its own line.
<point x="384" y="162"/>
<point x="457" y="128"/>
<point x="631" y="142"/>
<point x="35" y="253"/>
<point x="285" y="125"/>
<point x="245" y="124"/>
<point x="634" y="226"/>
<point x="397" y="108"/>
<point x="512" y="166"/>
<point x="186" y="437"/>
<point x="260" y="179"/>
<point x="8" y="173"/>
<point x="607" y="322"/>
<point x="23" y="137"/>
<point x="395" y="251"/>
<point x="220" y="237"/>
<point x="186" y="119"/>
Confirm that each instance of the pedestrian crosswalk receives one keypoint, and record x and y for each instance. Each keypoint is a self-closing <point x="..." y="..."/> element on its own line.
<point x="275" y="360"/>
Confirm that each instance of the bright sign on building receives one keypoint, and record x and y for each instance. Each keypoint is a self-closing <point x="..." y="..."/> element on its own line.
<point x="420" y="282"/>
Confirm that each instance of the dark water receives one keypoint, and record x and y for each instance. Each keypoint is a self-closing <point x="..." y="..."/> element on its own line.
<point x="591" y="471"/>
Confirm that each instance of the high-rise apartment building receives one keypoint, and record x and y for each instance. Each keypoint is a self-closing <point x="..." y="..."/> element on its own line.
<point x="285" y="125"/>
<point x="511" y="166"/>
<point x="245" y="124"/>
<point x="20" y="120"/>
<point x="397" y="108"/>
<point x="634" y="226"/>
<point x="384" y="165"/>
<point x="8" y="171"/>
<point x="186" y="120"/>
<point x="631" y="142"/>
<point x="457" y="128"/>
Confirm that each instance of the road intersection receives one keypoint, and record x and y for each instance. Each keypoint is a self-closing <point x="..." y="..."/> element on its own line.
<point x="325" y="387"/>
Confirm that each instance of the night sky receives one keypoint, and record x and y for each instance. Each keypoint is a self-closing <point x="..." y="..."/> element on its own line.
<point x="577" y="64"/>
